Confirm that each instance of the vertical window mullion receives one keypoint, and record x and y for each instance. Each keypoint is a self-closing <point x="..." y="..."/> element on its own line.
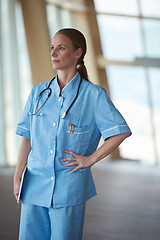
<point x="148" y="86"/>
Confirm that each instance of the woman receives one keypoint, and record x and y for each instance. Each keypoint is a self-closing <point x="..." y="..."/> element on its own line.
<point x="61" y="128"/>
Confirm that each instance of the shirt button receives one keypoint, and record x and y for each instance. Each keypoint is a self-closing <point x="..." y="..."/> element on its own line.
<point x="51" y="151"/>
<point x="59" y="99"/>
<point x="52" y="178"/>
<point x="54" y="124"/>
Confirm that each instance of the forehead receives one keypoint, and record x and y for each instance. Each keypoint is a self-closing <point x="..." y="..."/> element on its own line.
<point x="61" y="39"/>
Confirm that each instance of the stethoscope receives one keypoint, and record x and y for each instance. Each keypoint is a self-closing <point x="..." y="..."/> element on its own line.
<point x="49" y="94"/>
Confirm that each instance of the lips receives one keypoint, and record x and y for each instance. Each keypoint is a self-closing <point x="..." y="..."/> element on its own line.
<point x="55" y="61"/>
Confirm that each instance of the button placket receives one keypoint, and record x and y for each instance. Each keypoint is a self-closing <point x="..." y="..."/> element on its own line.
<point x="55" y="125"/>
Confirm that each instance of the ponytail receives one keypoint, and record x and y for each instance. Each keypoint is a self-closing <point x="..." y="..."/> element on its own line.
<point x="81" y="68"/>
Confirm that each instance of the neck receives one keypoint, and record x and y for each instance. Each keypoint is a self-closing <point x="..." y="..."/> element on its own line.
<point x="65" y="77"/>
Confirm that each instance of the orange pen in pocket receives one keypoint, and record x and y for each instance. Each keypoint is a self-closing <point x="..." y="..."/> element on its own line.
<point x="71" y="128"/>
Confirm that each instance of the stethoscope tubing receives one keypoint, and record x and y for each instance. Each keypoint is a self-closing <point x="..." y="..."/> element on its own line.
<point x="50" y="92"/>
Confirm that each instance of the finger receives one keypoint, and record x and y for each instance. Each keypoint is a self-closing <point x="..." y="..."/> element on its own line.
<point x="16" y="195"/>
<point x="16" y="190"/>
<point x="70" y="164"/>
<point x="71" y="153"/>
<point x="75" y="169"/>
<point x="68" y="159"/>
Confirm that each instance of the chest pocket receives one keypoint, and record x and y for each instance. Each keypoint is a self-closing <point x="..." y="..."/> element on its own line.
<point x="77" y="140"/>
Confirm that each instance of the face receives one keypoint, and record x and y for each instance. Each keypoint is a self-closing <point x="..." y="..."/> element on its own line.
<point x="63" y="55"/>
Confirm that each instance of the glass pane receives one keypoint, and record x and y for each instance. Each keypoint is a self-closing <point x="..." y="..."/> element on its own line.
<point x="152" y="37"/>
<point x="66" y="19"/>
<point x="53" y="18"/>
<point x="150" y="8"/>
<point x="57" y="18"/>
<point x="10" y="79"/>
<point x="120" y="37"/>
<point x="16" y="75"/>
<point x="129" y="94"/>
<point x="24" y="72"/>
<point x="117" y="6"/>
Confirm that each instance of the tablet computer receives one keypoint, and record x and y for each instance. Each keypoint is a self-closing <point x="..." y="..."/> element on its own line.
<point x="21" y="185"/>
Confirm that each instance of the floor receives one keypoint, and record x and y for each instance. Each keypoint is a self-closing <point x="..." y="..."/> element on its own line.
<point x="127" y="206"/>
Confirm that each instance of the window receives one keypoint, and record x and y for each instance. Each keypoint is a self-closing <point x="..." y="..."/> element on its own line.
<point x="58" y="18"/>
<point x="130" y="95"/>
<point x="150" y="8"/>
<point x="152" y="37"/>
<point x="15" y="73"/>
<point x="120" y="41"/>
<point x="131" y="29"/>
<point x="117" y="6"/>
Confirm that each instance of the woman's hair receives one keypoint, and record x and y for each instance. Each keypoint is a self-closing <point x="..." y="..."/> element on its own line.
<point x="78" y="40"/>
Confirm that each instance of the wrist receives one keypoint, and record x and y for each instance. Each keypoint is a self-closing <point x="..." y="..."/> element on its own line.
<point x="92" y="159"/>
<point x="17" y="178"/>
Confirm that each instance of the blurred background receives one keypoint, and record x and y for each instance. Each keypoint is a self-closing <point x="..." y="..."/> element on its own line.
<point x="123" y="56"/>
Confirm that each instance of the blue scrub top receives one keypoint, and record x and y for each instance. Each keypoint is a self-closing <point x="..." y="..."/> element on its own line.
<point x="93" y="114"/>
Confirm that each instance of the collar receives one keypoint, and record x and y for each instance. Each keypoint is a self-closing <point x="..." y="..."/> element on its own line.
<point x="70" y="89"/>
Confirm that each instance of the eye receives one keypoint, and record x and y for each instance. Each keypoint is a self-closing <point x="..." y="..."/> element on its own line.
<point x="61" y="48"/>
<point x="52" y="48"/>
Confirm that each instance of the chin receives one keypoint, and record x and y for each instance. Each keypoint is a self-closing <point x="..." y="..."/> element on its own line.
<point x="55" y="67"/>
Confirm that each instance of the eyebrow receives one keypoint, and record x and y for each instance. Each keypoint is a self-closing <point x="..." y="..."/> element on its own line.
<point x="59" y="45"/>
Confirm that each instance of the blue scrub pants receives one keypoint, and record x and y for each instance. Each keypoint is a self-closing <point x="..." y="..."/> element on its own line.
<point x="40" y="223"/>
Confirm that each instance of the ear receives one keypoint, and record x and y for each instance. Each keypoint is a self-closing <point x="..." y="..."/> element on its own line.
<point x="79" y="53"/>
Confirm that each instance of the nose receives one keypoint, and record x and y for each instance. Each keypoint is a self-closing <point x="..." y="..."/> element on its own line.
<point x="53" y="52"/>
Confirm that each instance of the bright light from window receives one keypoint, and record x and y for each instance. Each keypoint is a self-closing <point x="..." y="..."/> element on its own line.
<point x="117" y="6"/>
<point x="120" y="37"/>
<point x="150" y="8"/>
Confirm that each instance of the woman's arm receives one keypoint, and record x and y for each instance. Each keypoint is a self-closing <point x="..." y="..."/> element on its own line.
<point x="108" y="147"/>
<point x="25" y="149"/>
<point x="82" y="161"/>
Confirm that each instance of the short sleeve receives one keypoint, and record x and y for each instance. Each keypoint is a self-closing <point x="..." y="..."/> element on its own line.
<point x="23" y="127"/>
<point x="109" y="120"/>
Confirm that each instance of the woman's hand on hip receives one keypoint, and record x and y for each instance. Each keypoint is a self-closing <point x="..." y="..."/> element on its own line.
<point x="77" y="160"/>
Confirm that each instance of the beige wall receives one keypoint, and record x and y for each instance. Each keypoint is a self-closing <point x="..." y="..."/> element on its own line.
<point x="38" y="40"/>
